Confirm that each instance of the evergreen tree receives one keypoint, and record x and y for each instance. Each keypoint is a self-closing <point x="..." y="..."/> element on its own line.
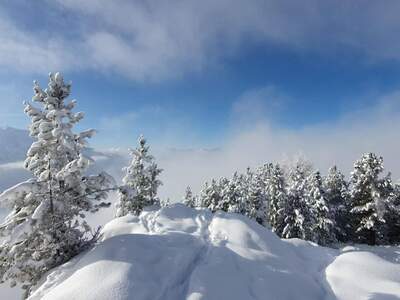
<point x="203" y="199"/>
<point x="46" y="226"/>
<point x="297" y="211"/>
<point x="277" y="200"/>
<point x="392" y="216"/>
<point x="232" y="200"/>
<point x="337" y="197"/>
<point x="368" y="204"/>
<point x="254" y="196"/>
<point x="264" y="175"/>
<point x="322" y="223"/>
<point x="210" y="196"/>
<point x="140" y="183"/>
<point x="189" y="200"/>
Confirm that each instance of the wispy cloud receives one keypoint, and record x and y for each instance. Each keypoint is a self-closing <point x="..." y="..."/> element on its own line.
<point x="147" y="40"/>
<point x="340" y="142"/>
<point x="257" y="104"/>
<point x="22" y="51"/>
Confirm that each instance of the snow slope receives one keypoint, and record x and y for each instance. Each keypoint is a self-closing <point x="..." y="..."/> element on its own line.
<point x="182" y="253"/>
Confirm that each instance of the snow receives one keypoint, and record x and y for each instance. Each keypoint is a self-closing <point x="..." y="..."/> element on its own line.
<point x="358" y="274"/>
<point x="11" y="174"/>
<point x="183" y="253"/>
<point x="8" y="196"/>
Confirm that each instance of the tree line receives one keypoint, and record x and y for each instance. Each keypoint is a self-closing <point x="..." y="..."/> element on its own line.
<point x="298" y="202"/>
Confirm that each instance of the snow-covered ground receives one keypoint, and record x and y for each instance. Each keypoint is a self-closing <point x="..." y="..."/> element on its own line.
<point x="182" y="253"/>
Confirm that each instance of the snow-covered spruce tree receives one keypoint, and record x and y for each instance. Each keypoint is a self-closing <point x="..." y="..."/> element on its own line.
<point x="46" y="225"/>
<point x="203" y="199"/>
<point x="392" y="216"/>
<point x="210" y="196"/>
<point x="321" y="219"/>
<point x="232" y="195"/>
<point x="254" y="197"/>
<point x="189" y="199"/>
<point x="297" y="212"/>
<point x="264" y="174"/>
<point x="276" y="190"/>
<point x="389" y="210"/>
<point x="337" y="196"/>
<point x="140" y="183"/>
<point x="368" y="203"/>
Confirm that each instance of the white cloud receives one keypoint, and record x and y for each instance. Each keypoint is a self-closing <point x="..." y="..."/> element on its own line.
<point x="26" y="52"/>
<point x="153" y="40"/>
<point x="374" y="129"/>
<point x="257" y="104"/>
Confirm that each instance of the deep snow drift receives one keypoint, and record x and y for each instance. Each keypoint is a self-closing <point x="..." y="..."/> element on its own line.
<point x="182" y="253"/>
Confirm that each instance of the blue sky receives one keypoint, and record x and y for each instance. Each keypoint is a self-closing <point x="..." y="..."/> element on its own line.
<point x="194" y="73"/>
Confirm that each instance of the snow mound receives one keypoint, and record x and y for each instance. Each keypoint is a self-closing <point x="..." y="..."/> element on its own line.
<point x="358" y="274"/>
<point x="182" y="253"/>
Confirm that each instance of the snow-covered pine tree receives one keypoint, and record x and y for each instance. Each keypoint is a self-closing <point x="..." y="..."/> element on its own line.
<point x="46" y="226"/>
<point x="276" y="190"/>
<point x="223" y="183"/>
<point x="232" y="195"/>
<point x="392" y="216"/>
<point x="140" y="183"/>
<point x="254" y="197"/>
<point x="263" y="175"/>
<point x="203" y="201"/>
<point x="337" y="196"/>
<point x="390" y="211"/>
<point x="321" y="219"/>
<point x="368" y="203"/>
<point x="210" y="196"/>
<point x="189" y="199"/>
<point x="297" y="211"/>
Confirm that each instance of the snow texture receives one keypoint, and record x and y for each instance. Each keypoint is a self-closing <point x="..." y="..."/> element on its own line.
<point x="183" y="253"/>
